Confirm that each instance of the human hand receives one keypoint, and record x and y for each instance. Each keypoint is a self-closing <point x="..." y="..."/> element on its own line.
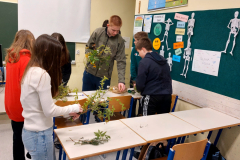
<point x="121" y="87"/>
<point x="74" y="116"/>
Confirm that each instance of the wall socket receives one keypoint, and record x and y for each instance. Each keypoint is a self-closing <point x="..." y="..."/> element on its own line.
<point x="78" y="52"/>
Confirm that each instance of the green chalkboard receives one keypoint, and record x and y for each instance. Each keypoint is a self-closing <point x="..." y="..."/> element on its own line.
<point x="210" y="33"/>
<point x="71" y="49"/>
<point x="9" y="27"/>
<point x="8" y="24"/>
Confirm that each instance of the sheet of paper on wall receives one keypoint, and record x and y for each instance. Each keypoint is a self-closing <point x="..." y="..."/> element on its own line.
<point x="138" y="23"/>
<point x="180" y="24"/>
<point x="178" y="51"/>
<point x="147" y="23"/>
<point x="181" y="17"/>
<point x="206" y="62"/>
<point x="178" y="45"/>
<point x="179" y="38"/>
<point x="176" y="58"/>
<point x="180" y="31"/>
<point x="159" y="18"/>
<point x="127" y="41"/>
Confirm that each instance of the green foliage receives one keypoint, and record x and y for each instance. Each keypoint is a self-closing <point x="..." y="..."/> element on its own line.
<point x="98" y="57"/>
<point x="94" y="102"/>
<point x="62" y="93"/>
<point x="100" y="138"/>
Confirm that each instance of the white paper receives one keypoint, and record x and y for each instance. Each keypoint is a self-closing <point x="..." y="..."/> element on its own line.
<point x="127" y="41"/>
<point x="147" y="23"/>
<point x="159" y="18"/>
<point x="206" y="62"/>
<point x="179" y="39"/>
<point x="138" y="24"/>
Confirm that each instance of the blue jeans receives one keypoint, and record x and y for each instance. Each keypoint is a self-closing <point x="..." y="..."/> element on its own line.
<point x="39" y="144"/>
<point x="91" y="82"/>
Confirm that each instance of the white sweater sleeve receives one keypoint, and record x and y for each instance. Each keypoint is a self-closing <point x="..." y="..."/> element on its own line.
<point x="49" y="108"/>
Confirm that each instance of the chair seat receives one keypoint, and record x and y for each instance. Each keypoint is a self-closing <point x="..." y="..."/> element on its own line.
<point x="163" y="158"/>
<point x="63" y="122"/>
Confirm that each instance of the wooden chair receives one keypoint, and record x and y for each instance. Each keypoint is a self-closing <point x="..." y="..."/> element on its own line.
<point x="60" y="122"/>
<point x="189" y="151"/>
<point x="174" y="102"/>
<point x="114" y="102"/>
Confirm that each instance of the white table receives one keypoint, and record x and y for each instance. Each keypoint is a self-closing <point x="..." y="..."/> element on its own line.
<point x="122" y="137"/>
<point x="207" y="119"/>
<point x="160" y="127"/>
<point x="81" y="96"/>
<point x="111" y="94"/>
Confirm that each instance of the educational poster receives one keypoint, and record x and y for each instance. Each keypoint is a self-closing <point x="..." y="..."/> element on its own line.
<point x="206" y="62"/>
<point x="147" y="23"/>
<point x="164" y="4"/>
<point x="138" y="23"/>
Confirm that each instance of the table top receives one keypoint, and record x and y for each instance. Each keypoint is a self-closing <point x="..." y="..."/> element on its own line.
<point x="122" y="137"/>
<point x="111" y="94"/>
<point x="207" y="119"/>
<point x="160" y="127"/>
<point x="81" y="96"/>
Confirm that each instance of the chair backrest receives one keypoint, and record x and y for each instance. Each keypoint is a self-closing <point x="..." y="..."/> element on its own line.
<point x="115" y="102"/>
<point x="174" y="102"/>
<point x="62" y="103"/>
<point x="190" y="151"/>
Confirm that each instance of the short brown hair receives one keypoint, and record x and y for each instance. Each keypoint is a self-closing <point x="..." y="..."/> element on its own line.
<point x="140" y="35"/>
<point x="144" y="43"/>
<point x="115" y="20"/>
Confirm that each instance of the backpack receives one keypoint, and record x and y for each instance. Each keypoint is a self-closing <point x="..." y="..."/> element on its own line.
<point x="214" y="153"/>
<point x="154" y="152"/>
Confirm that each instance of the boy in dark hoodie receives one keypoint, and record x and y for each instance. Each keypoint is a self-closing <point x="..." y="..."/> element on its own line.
<point x="153" y="80"/>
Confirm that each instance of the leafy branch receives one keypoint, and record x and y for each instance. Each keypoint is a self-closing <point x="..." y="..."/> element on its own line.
<point x="100" y="138"/>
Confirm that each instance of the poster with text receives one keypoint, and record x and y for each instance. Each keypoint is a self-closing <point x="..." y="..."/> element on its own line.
<point x="206" y="62"/>
<point x="164" y="4"/>
<point x="138" y="23"/>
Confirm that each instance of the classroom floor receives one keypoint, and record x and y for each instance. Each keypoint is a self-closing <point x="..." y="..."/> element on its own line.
<point x="6" y="141"/>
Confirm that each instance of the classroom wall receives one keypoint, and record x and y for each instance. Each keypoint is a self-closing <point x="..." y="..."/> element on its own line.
<point x="100" y="11"/>
<point x="230" y="138"/>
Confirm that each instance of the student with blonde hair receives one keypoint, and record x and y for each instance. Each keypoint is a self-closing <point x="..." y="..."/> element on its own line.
<point x="17" y="58"/>
<point x="39" y="85"/>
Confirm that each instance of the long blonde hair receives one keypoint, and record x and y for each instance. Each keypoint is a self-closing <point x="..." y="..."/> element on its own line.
<point x="24" y="39"/>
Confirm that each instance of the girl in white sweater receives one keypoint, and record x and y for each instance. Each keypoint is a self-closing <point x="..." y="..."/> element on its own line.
<point x="39" y="84"/>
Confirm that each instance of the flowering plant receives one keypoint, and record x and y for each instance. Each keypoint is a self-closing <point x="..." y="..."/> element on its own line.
<point x="97" y="57"/>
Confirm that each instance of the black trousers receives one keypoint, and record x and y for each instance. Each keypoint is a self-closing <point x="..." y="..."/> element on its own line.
<point x="134" y="102"/>
<point x="18" y="147"/>
<point x="151" y="105"/>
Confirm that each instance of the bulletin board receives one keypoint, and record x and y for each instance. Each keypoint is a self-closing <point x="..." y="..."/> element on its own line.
<point x="210" y="33"/>
<point x="9" y="27"/>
